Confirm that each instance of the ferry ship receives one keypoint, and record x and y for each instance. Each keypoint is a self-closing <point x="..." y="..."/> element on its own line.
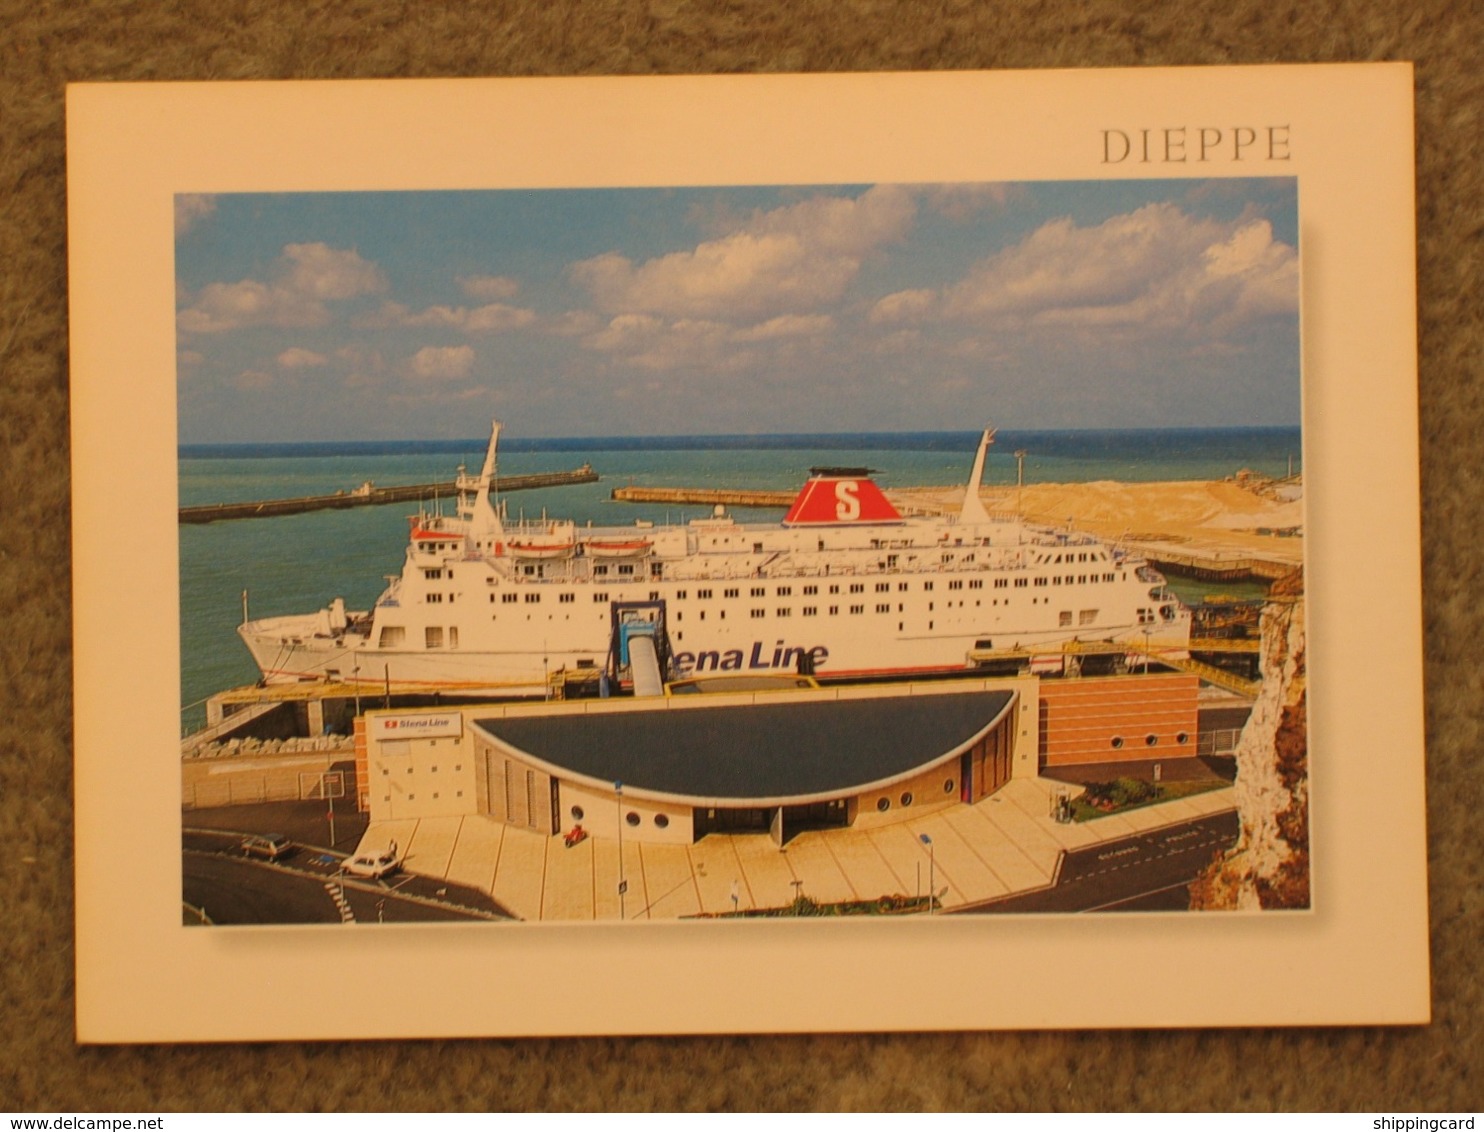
<point x="844" y="587"/>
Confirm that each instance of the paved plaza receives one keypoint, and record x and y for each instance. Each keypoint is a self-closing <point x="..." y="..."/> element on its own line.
<point x="1007" y="843"/>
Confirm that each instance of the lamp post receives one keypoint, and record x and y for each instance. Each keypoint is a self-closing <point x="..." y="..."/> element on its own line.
<point x="623" y="884"/>
<point x="932" y="870"/>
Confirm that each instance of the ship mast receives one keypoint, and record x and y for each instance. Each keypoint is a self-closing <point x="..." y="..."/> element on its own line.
<point x="973" y="510"/>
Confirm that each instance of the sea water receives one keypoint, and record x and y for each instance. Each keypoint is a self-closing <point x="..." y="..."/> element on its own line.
<point x="299" y="563"/>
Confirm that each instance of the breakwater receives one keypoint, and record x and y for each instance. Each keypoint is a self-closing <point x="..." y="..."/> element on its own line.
<point x="370" y="496"/>
<point x="732" y="497"/>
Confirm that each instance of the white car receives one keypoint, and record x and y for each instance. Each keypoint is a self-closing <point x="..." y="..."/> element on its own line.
<point x="373" y="866"/>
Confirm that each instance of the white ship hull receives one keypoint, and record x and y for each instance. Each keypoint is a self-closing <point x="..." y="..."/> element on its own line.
<point x="843" y="587"/>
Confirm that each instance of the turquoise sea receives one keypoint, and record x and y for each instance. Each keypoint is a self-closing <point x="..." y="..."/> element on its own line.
<point x="298" y="563"/>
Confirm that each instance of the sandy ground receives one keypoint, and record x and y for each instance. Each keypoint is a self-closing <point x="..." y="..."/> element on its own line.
<point x="1199" y="514"/>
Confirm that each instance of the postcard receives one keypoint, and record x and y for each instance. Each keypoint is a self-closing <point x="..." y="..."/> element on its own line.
<point x="657" y="555"/>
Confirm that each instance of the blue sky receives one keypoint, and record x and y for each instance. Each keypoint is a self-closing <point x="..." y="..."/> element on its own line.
<point x="1123" y="304"/>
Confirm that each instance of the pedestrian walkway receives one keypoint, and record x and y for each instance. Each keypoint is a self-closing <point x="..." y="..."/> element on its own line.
<point x="1005" y="844"/>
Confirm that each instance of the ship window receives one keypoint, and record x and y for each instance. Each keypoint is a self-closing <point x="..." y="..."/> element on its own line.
<point x="757" y="548"/>
<point x="808" y="590"/>
<point x="883" y="804"/>
<point x="654" y="595"/>
<point x="948" y="786"/>
<point x="433" y="636"/>
<point x="785" y="591"/>
<point x="600" y="571"/>
<point x="834" y="609"/>
<point x="955" y="585"/>
<point x="977" y="584"/>
<point x="432" y="575"/>
<point x="1087" y="617"/>
<point x="907" y="798"/>
<point x="729" y="593"/>
<point x="857" y="609"/>
<point x="1001" y="583"/>
<point x="759" y="591"/>
<point x="680" y="595"/>
<point x="756" y="613"/>
<point x="631" y="817"/>
<point x="600" y="597"/>
<point x="392" y="636"/>
<point x="857" y="587"/>
<point x="532" y="598"/>
<point x="883" y="587"/>
<point x="567" y="597"/>
<point x="1182" y="737"/>
<point x="703" y="594"/>
<point x="453" y="636"/>
<point x="492" y="599"/>
<point x="625" y="569"/>
<point x="1117" y="742"/>
<point x="883" y="607"/>
<point x="901" y="587"/>
<point x="578" y="813"/>
<point x="1040" y="581"/>
<point x="661" y="821"/>
<point x="834" y="589"/>
<point x="784" y="611"/>
<point x="434" y="599"/>
<point x="1064" y="618"/>
<point x="1151" y="740"/>
<point x="1021" y="583"/>
<point x="508" y="597"/>
<point x="810" y="610"/>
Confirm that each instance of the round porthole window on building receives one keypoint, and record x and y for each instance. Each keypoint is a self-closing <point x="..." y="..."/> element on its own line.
<point x="631" y="817"/>
<point x="577" y="813"/>
<point x="661" y="821"/>
<point x="883" y="804"/>
<point x="907" y="798"/>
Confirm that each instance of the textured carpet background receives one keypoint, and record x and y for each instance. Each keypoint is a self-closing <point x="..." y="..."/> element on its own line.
<point x="44" y="45"/>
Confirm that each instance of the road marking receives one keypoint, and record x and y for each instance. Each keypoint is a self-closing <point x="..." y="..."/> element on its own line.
<point x="337" y="894"/>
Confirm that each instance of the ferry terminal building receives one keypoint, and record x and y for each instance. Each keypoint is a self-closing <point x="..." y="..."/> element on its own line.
<point x="675" y="768"/>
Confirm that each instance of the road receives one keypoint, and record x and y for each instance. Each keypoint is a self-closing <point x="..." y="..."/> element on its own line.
<point x="1144" y="873"/>
<point x="306" y="888"/>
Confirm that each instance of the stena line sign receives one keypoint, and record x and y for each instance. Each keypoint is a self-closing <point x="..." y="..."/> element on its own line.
<point x="423" y="725"/>
<point x="759" y="656"/>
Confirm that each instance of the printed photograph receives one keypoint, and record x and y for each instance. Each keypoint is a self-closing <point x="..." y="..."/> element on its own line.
<point x="704" y="553"/>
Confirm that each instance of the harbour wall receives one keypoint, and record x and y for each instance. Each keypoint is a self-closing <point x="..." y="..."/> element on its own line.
<point x="377" y="496"/>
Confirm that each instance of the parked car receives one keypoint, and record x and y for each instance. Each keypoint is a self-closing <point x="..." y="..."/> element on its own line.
<point x="373" y="866"/>
<point x="268" y="846"/>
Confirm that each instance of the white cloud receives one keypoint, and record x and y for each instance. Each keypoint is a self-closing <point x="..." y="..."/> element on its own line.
<point x="1156" y="266"/>
<point x="489" y="286"/>
<point x="296" y="357"/>
<point x="191" y="207"/>
<point x="307" y="276"/>
<point x="793" y="258"/>
<point x="443" y="363"/>
<point x="497" y="318"/>
<point x="646" y="342"/>
<point x="493" y="318"/>
<point x="904" y="306"/>
<point x="786" y="326"/>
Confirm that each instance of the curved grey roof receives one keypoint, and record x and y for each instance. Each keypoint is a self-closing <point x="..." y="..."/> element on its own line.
<point x="755" y="752"/>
